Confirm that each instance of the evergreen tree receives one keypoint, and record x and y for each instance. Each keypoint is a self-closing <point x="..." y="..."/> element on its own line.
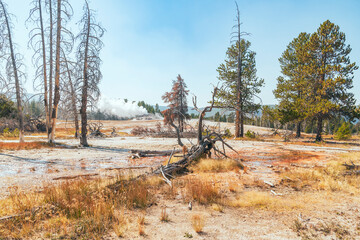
<point x="331" y="73"/>
<point x="250" y="84"/>
<point x="290" y="86"/>
<point x="177" y="101"/>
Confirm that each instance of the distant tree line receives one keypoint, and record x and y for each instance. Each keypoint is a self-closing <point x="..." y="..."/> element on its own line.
<point x="149" y="108"/>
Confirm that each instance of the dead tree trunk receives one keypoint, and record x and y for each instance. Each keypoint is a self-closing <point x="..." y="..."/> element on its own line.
<point x="84" y="96"/>
<point x="57" y="74"/>
<point x="298" y="129"/>
<point x="239" y="121"/>
<point x="50" y="68"/>
<point x="46" y="102"/>
<point x="89" y="61"/>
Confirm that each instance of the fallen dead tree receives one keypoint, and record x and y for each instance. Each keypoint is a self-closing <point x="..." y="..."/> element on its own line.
<point x="351" y="166"/>
<point x="159" y="132"/>
<point x="147" y="153"/>
<point x="95" y="130"/>
<point x="206" y="143"/>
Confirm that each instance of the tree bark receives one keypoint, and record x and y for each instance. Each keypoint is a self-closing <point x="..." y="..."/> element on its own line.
<point x="17" y="81"/>
<point x="83" y="139"/>
<point x="298" y="129"/>
<point x="46" y="103"/>
<point x="319" y="129"/>
<point x="57" y="74"/>
<point x="51" y="68"/>
<point x="239" y="121"/>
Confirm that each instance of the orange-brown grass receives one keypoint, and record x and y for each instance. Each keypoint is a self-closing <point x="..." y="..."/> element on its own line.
<point x="164" y="217"/>
<point x="216" y="165"/>
<point x="204" y="192"/>
<point x="23" y="146"/>
<point x="332" y="177"/>
<point x="120" y="224"/>
<point x="85" y="208"/>
<point x="141" y="230"/>
<point x="197" y="222"/>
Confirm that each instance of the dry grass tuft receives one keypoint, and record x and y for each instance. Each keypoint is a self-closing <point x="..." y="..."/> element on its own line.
<point x="264" y="200"/>
<point x="203" y="192"/>
<point x="141" y="219"/>
<point x="164" y="217"/>
<point x="216" y="165"/>
<point x="217" y="207"/>
<point x="120" y="224"/>
<point x="141" y="230"/>
<point x="154" y="181"/>
<point x="198" y="223"/>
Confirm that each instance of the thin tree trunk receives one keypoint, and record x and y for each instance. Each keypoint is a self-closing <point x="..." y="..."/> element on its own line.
<point x="57" y="73"/>
<point x="83" y="139"/>
<point x="17" y="82"/>
<point x="73" y="100"/>
<point x="298" y="129"/>
<point x="51" y="68"/>
<point x="239" y="121"/>
<point x="319" y="129"/>
<point x="46" y="103"/>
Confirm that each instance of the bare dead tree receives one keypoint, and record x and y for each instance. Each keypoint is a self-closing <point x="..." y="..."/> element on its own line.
<point x="51" y="12"/>
<point x="42" y="42"/>
<point x="239" y="113"/>
<point x="64" y="14"/>
<point x="38" y="44"/>
<point x="69" y="88"/>
<point x="13" y="63"/>
<point x="89" y="61"/>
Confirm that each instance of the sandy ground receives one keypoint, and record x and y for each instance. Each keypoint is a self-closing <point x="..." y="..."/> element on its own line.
<point x="30" y="169"/>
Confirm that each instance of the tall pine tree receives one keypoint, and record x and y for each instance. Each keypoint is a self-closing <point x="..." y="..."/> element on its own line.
<point x="290" y="86"/>
<point x="331" y="71"/>
<point x="227" y="95"/>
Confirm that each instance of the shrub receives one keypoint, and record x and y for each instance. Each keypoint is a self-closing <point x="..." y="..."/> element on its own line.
<point x="343" y="133"/>
<point x="250" y="134"/>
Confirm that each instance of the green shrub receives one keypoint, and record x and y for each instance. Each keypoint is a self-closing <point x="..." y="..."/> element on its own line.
<point x="250" y="134"/>
<point x="343" y="133"/>
<point x="8" y="133"/>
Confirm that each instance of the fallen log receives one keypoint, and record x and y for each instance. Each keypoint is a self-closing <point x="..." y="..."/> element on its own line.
<point x="149" y="153"/>
<point x="76" y="176"/>
<point x="351" y="166"/>
<point x="350" y="173"/>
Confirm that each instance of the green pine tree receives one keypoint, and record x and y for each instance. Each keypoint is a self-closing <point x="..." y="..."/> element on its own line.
<point x="250" y="83"/>
<point x="290" y="86"/>
<point x="331" y="72"/>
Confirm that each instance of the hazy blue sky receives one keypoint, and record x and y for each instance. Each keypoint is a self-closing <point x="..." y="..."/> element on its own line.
<point x="149" y="42"/>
